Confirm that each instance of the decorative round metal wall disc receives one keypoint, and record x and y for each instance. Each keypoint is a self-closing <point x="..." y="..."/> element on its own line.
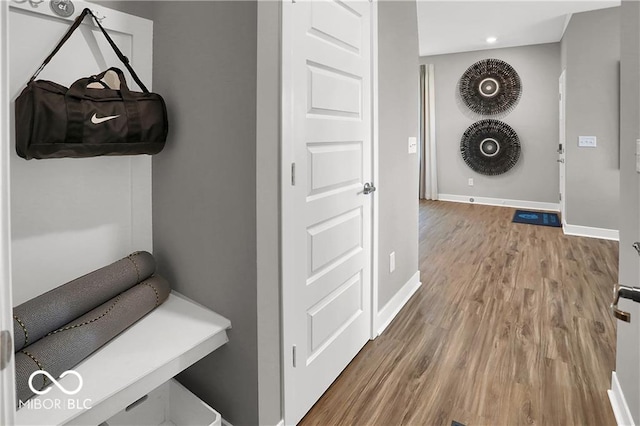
<point x="490" y="147"/>
<point x="490" y="87"/>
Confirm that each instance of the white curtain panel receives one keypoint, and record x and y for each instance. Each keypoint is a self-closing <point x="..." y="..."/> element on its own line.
<point x="428" y="162"/>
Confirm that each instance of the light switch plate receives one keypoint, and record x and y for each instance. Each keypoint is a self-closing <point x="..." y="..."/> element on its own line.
<point x="587" y="141"/>
<point x="413" y="145"/>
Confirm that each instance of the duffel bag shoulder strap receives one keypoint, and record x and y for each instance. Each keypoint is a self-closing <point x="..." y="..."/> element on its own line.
<point x="75" y="26"/>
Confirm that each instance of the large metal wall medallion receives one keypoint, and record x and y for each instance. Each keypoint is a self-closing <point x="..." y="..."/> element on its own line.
<point x="490" y="147"/>
<point x="490" y="87"/>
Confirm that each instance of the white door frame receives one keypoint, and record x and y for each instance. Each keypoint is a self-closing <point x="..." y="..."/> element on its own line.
<point x="563" y="140"/>
<point x="375" y="218"/>
<point x="7" y="376"/>
<point x="287" y="159"/>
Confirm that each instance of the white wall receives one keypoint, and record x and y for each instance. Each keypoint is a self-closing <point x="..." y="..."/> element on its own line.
<point x="535" y="120"/>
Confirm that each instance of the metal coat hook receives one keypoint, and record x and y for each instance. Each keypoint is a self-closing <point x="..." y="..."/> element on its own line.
<point x="97" y="15"/>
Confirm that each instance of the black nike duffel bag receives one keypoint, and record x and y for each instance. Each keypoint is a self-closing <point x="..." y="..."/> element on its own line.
<point x="93" y="117"/>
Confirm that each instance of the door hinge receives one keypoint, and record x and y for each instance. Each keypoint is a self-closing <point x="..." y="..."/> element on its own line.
<point x="560" y="196"/>
<point x="6" y="349"/>
<point x="293" y="174"/>
<point x="293" y="353"/>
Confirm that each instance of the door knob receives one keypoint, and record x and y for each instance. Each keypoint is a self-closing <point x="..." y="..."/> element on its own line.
<point x="631" y="293"/>
<point x="368" y="188"/>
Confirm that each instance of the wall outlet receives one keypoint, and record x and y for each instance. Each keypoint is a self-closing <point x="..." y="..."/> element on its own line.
<point x="470" y="181"/>
<point x="413" y="145"/>
<point x="587" y="141"/>
<point x="392" y="261"/>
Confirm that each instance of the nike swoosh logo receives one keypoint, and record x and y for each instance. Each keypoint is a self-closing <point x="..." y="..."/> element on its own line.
<point x="96" y="120"/>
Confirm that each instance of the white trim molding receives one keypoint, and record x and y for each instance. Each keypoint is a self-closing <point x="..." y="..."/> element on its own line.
<point x="619" y="403"/>
<point x="7" y="375"/>
<point x="588" y="231"/>
<point x="397" y="302"/>
<point x="375" y="164"/>
<point x="518" y="204"/>
<point x="280" y="423"/>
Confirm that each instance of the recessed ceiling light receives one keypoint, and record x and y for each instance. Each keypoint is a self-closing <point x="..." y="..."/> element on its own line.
<point x="491" y="40"/>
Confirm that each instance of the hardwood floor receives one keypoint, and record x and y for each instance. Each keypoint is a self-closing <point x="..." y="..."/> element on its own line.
<point x="510" y="327"/>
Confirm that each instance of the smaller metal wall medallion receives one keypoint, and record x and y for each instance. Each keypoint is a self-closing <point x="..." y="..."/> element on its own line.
<point x="62" y="8"/>
<point x="490" y="147"/>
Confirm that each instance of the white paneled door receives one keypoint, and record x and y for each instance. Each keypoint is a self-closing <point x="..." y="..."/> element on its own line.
<point x="326" y="211"/>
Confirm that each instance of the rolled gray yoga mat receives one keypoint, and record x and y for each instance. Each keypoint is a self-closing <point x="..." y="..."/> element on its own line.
<point x="66" y="347"/>
<point x="35" y="318"/>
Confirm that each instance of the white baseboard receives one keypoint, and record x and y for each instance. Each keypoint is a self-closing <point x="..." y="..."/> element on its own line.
<point x="397" y="302"/>
<point x="619" y="403"/>
<point x="587" y="231"/>
<point x="518" y="204"/>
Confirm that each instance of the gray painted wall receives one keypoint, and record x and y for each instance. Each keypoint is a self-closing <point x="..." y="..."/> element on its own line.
<point x="143" y="9"/>
<point x="628" y="347"/>
<point x="268" y="212"/>
<point x="267" y="122"/>
<point x="535" y="119"/>
<point x="204" y="185"/>
<point x="591" y="59"/>
<point x="398" y="120"/>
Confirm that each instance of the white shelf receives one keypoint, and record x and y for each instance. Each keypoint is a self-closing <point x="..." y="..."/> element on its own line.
<point x="159" y="346"/>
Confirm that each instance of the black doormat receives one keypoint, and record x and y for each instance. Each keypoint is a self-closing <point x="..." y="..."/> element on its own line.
<point x="537" y="218"/>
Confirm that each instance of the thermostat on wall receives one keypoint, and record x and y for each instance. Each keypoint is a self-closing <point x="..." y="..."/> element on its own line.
<point x="587" y="141"/>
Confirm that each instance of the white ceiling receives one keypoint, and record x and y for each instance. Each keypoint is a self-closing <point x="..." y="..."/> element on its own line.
<point x="461" y="26"/>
